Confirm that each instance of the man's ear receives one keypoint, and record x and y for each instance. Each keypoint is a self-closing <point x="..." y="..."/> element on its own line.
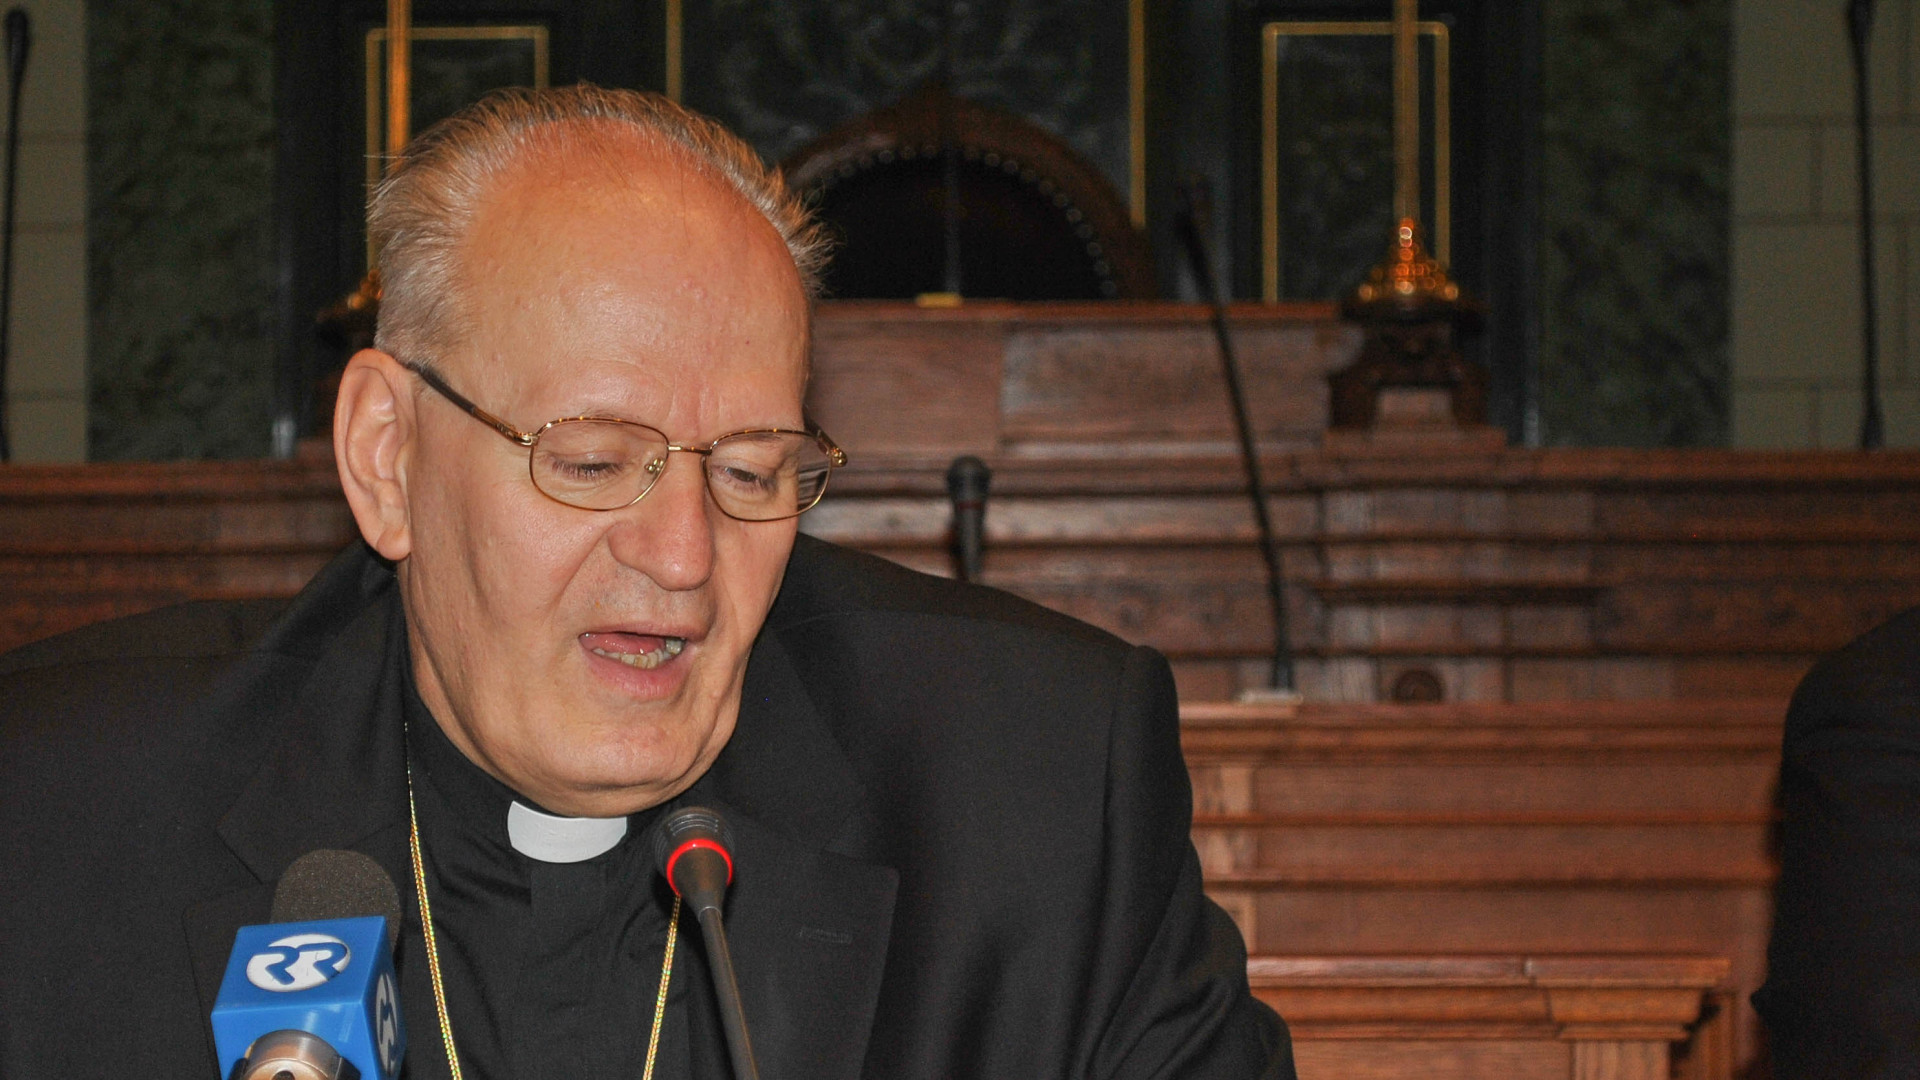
<point x="373" y="430"/>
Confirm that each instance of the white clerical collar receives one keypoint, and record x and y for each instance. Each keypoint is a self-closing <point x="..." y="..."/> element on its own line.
<point x="561" y="839"/>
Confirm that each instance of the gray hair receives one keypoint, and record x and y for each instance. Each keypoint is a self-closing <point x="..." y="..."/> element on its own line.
<point x="420" y="213"/>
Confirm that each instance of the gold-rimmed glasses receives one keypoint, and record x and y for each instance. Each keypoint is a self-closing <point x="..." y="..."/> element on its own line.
<point x="606" y="463"/>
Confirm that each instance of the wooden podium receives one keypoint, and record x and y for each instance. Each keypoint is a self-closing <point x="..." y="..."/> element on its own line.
<point x="1625" y="829"/>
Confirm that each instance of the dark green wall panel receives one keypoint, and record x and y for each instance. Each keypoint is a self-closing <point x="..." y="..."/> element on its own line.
<point x="1635" y="222"/>
<point x="179" y="227"/>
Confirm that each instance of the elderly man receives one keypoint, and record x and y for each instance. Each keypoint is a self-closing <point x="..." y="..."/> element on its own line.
<point x="576" y="457"/>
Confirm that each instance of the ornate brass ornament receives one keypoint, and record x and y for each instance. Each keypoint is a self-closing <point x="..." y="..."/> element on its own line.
<point x="1407" y="277"/>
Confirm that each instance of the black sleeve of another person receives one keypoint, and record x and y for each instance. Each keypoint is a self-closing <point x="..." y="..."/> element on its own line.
<point x="1842" y="997"/>
<point x="1185" y="1011"/>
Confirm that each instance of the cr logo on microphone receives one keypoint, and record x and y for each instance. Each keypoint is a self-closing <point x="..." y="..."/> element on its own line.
<point x="386" y="1024"/>
<point x="298" y="962"/>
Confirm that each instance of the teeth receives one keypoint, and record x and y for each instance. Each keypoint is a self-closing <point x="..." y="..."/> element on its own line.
<point x="647" y="661"/>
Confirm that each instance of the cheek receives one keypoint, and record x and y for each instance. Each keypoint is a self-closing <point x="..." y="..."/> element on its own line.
<point x="497" y="549"/>
<point x="750" y="563"/>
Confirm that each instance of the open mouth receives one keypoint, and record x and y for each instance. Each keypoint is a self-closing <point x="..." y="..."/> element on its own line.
<point x="643" y="651"/>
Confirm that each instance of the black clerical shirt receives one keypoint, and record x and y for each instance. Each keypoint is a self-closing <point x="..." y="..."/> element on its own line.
<point x="550" y="969"/>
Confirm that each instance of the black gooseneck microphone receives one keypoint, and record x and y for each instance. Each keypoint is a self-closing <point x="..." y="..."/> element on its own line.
<point x="967" y="482"/>
<point x="1860" y="33"/>
<point x="693" y="849"/>
<point x="19" y="33"/>
<point x="1196" y="212"/>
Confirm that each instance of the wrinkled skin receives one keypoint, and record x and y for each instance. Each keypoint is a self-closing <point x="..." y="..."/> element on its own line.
<point x="631" y="285"/>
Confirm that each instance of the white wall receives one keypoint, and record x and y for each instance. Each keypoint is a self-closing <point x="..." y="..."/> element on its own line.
<point x="47" y="369"/>
<point x="1797" y="342"/>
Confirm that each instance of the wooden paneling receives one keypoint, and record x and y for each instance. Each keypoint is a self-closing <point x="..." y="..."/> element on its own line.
<point x="79" y="544"/>
<point x="1068" y="382"/>
<point x="1514" y="575"/>
<point x="1382" y="1058"/>
<point x="1566" y="827"/>
<point x="1518" y="1018"/>
<point x="893" y="378"/>
<point x="1530" y="575"/>
<point x="930" y="387"/>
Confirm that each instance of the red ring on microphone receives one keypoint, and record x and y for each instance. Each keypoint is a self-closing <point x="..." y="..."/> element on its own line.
<point x="696" y="842"/>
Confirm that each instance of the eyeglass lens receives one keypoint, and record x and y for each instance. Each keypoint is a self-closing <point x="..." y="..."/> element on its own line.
<point x="753" y="476"/>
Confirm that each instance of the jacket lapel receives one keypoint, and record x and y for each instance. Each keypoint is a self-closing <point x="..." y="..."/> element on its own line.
<point x="211" y="925"/>
<point x="334" y="777"/>
<point x="811" y="911"/>
<point x="337" y="775"/>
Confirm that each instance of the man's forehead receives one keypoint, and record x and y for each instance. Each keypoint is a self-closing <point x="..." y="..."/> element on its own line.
<point x="631" y="265"/>
<point x="579" y="168"/>
<point x="639" y="204"/>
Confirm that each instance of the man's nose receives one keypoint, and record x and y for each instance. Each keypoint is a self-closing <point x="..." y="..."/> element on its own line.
<point x="668" y="535"/>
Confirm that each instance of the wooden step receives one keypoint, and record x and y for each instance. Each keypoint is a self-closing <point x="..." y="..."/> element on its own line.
<point x="1552" y="827"/>
<point x="1442" y="1017"/>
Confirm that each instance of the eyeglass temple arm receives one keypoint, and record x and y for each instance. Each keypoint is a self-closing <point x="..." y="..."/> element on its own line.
<point x="433" y="379"/>
<point x="834" y="453"/>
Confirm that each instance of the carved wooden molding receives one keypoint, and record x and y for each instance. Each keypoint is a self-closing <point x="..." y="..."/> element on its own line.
<point x="924" y="122"/>
<point x="1577" y="1017"/>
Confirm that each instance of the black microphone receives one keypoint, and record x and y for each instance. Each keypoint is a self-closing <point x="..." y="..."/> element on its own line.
<point x="19" y="40"/>
<point x="967" y="481"/>
<point x="693" y="849"/>
<point x="333" y="884"/>
<point x="1196" y="215"/>
<point x="19" y="32"/>
<point x="312" y="996"/>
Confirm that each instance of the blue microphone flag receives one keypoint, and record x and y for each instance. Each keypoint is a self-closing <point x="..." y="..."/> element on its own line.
<point x="332" y="978"/>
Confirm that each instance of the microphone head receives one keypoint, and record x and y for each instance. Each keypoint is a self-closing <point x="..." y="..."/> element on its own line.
<point x="690" y="828"/>
<point x="334" y="884"/>
<point x="18" y="39"/>
<point x="1196" y="200"/>
<point x="968" y="479"/>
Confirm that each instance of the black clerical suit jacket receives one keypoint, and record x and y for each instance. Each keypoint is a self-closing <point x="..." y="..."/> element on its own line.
<point x="1842" y="997"/>
<point x="961" y="825"/>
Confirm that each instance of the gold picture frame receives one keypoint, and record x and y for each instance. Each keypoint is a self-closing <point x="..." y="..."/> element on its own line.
<point x="675" y="17"/>
<point x="1440" y="230"/>
<point x="376" y="98"/>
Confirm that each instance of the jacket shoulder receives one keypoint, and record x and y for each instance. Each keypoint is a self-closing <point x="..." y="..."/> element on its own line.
<point x="1872" y="682"/>
<point x="200" y="630"/>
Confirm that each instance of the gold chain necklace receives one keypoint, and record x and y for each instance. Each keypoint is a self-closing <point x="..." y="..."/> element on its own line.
<point x="433" y="950"/>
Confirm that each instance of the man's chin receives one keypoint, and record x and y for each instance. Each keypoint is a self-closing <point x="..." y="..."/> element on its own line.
<point x="606" y="805"/>
<point x="616" y="771"/>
